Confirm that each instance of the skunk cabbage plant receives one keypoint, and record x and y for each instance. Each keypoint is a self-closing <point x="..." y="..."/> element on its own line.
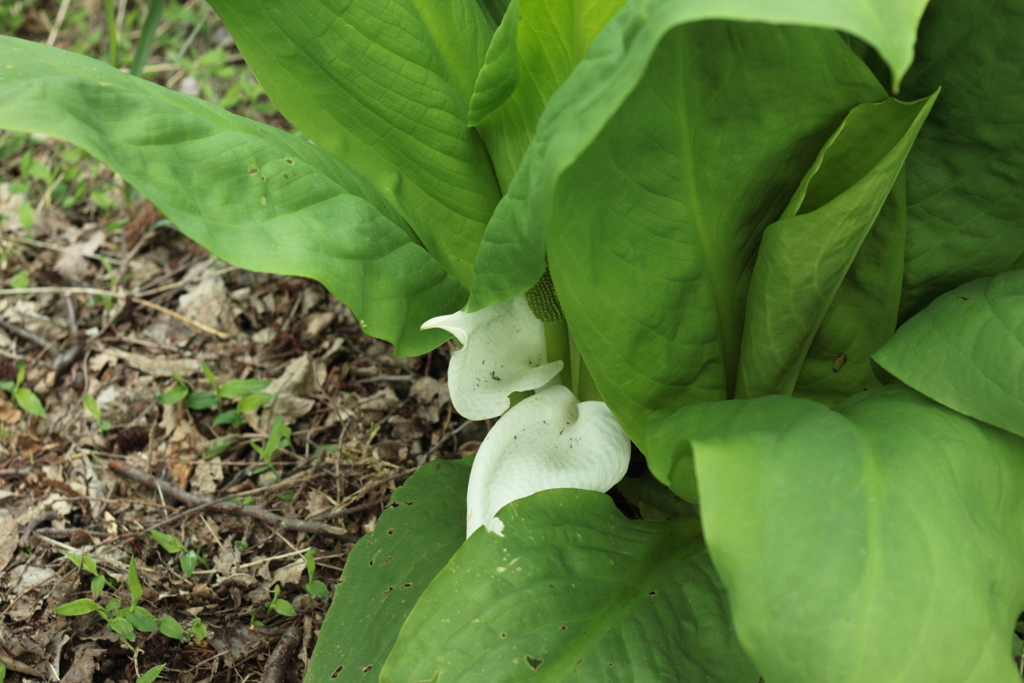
<point x="766" y="256"/>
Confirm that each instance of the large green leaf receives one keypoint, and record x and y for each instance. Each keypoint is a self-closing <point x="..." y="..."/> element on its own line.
<point x="574" y="591"/>
<point x="966" y="350"/>
<point x="863" y="313"/>
<point x="388" y="570"/>
<point x="877" y="543"/>
<point x="511" y="257"/>
<point x="535" y="49"/>
<point x="655" y="226"/>
<point x="965" y="175"/>
<point x="252" y="194"/>
<point x="805" y="257"/>
<point x="386" y="88"/>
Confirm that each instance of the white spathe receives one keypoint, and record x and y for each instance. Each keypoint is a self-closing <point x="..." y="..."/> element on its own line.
<point x="547" y="441"/>
<point x="503" y="351"/>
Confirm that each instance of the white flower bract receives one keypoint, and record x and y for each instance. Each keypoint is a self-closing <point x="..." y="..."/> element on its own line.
<point x="503" y="351"/>
<point x="547" y="441"/>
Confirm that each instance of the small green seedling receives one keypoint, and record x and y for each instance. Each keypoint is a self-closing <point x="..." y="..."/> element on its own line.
<point x="280" y="436"/>
<point x="87" y="564"/>
<point x="198" y="629"/>
<point x="124" y="621"/>
<point x="247" y="391"/>
<point x="176" y="393"/>
<point x="188" y="558"/>
<point x="20" y="279"/>
<point x="89" y="402"/>
<point x="280" y="605"/>
<point x="151" y="675"/>
<point x="313" y="587"/>
<point x="24" y="397"/>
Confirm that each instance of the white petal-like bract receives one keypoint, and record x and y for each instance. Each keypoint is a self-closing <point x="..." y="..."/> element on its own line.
<point x="503" y="351"/>
<point x="546" y="441"/>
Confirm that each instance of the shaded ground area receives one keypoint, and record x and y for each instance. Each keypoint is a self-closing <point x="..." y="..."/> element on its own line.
<point x="145" y="355"/>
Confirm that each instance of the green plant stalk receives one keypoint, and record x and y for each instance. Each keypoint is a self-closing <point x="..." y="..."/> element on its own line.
<point x="556" y="338"/>
<point x="108" y="9"/>
<point x="582" y="381"/>
<point x="145" y="44"/>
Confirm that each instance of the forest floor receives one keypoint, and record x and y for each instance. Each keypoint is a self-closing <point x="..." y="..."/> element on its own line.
<point x="160" y="373"/>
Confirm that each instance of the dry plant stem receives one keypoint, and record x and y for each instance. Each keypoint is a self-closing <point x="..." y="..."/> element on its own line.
<point x="116" y="294"/>
<point x="55" y="29"/>
<point x="168" y="489"/>
<point x="67" y="533"/>
<point x="281" y="658"/>
<point x="15" y="471"/>
<point x="47" y="516"/>
<point x="41" y="342"/>
<point x="13" y="664"/>
<point x="447" y="437"/>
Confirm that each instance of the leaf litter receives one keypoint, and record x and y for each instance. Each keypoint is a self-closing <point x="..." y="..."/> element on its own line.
<point x="137" y="318"/>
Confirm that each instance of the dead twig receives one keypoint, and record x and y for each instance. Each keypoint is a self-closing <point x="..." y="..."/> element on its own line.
<point x="41" y="342"/>
<point x="15" y="471"/>
<point x="226" y="507"/>
<point x="281" y="658"/>
<point x="47" y="516"/>
<point x="111" y="293"/>
<point x="449" y="435"/>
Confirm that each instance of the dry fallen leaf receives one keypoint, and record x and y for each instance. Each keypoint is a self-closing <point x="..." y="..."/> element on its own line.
<point x="8" y="540"/>
<point x="158" y="366"/>
<point x="73" y="264"/>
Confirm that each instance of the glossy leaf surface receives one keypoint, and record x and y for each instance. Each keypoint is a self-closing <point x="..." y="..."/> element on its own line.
<point x="965" y="202"/>
<point x="804" y="257"/>
<point x="386" y="88"/>
<point x="252" y="194"/>
<point x="879" y="541"/>
<point x="966" y="351"/>
<point x="573" y="592"/>
<point x="387" y="571"/>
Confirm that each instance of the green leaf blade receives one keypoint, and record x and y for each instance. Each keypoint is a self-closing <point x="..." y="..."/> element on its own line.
<point x="28" y="401"/>
<point x="804" y="257"/>
<point x="387" y="90"/>
<point x="500" y="72"/>
<point x="201" y="400"/>
<point x="873" y="534"/>
<point x="168" y="542"/>
<point x="151" y="674"/>
<point x="966" y="351"/>
<point x="242" y="387"/>
<point x="261" y="198"/>
<point x="570" y="592"/>
<point x="77" y="608"/>
<point x="965" y="210"/>
<point x="418" y="532"/>
<point x="134" y="585"/>
<point x="652" y="275"/>
<point x="170" y="627"/>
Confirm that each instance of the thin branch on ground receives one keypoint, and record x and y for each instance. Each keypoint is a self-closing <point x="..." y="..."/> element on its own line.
<point x="27" y="335"/>
<point x="226" y="507"/>
<point x="281" y="658"/>
<point x="118" y="294"/>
